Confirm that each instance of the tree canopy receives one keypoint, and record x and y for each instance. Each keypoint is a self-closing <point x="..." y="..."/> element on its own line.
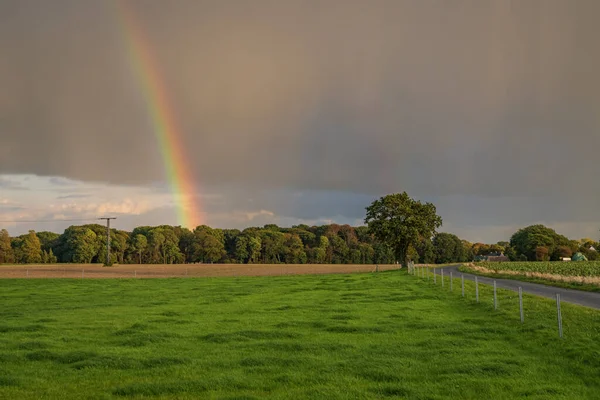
<point x="537" y="242"/>
<point x="398" y="228"/>
<point x="401" y="222"/>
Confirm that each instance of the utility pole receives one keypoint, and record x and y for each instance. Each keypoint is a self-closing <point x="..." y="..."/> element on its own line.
<point x="108" y="238"/>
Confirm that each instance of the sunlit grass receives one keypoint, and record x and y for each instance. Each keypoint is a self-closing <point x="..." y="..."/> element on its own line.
<point x="322" y="336"/>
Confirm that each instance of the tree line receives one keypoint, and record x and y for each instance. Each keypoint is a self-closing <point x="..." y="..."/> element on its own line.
<point x="164" y="244"/>
<point x="271" y="244"/>
<point x="397" y="229"/>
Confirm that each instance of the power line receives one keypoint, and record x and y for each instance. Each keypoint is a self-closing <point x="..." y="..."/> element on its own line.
<point x="49" y="220"/>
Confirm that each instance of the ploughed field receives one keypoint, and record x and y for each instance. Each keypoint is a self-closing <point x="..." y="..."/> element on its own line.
<point x="86" y="271"/>
<point x="336" y="336"/>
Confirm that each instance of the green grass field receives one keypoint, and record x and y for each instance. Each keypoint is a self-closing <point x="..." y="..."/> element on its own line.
<point x="354" y="336"/>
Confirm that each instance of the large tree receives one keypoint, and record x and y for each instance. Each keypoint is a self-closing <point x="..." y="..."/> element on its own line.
<point x="28" y="249"/>
<point x="527" y="240"/>
<point x="78" y="244"/>
<point x="139" y="243"/>
<point x="208" y="245"/>
<point x="400" y="222"/>
<point x="7" y="254"/>
<point x="448" y="248"/>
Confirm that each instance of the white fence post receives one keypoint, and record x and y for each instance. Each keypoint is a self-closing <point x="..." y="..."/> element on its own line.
<point x="442" y="277"/>
<point x="559" y="315"/>
<point x="521" y="304"/>
<point x="462" y="282"/>
<point x="450" y="280"/>
<point x="495" y="297"/>
<point x="434" y="276"/>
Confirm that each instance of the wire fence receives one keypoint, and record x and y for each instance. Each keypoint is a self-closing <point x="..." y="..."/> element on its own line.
<point x="528" y="312"/>
<point x="91" y="271"/>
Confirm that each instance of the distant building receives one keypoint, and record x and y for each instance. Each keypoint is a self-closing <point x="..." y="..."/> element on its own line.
<point x="592" y="248"/>
<point x="492" y="257"/>
<point x="579" y="257"/>
<point x="566" y="259"/>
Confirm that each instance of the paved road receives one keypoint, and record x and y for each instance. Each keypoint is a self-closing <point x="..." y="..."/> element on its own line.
<point x="587" y="299"/>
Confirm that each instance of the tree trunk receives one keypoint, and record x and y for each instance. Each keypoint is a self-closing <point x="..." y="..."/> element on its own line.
<point x="401" y="255"/>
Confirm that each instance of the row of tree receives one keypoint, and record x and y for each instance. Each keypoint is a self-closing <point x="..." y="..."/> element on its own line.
<point x="335" y="244"/>
<point x="398" y="229"/>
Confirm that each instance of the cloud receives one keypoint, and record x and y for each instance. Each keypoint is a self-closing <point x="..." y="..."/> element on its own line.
<point x="10" y="184"/>
<point x="74" y="196"/>
<point x="346" y="100"/>
<point x="252" y="215"/>
<point x="441" y="100"/>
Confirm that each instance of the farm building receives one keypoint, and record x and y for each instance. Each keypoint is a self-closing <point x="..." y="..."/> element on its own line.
<point x="579" y="257"/>
<point x="492" y="257"/>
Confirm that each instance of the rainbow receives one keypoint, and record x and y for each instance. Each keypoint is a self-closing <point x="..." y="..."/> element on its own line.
<point x="166" y="131"/>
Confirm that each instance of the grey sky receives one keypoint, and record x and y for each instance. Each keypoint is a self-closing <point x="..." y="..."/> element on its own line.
<point x="488" y="108"/>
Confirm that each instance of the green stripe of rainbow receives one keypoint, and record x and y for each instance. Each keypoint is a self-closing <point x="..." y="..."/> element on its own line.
<point x="166" y="131"/>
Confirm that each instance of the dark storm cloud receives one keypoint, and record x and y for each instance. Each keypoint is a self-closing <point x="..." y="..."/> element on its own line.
<point x="487" y="99"/>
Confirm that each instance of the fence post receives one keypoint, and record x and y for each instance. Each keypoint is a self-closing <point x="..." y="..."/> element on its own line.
<point x="559" y="315"/>
<point x="82" y="271"/>
<point x="495" y="297"/>
<point x="476" y="290"/>
<point x="442" y="277"/>
<point x="27" y="274"/>
<point x="135" y="274"/>
<point x="434" y="277"/>
<point x="521" y="304"/>
<point x="450" y="280"/>
<point x="462" y="283"/>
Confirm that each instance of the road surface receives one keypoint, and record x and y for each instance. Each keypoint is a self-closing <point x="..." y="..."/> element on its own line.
<point x="587" y="299"/>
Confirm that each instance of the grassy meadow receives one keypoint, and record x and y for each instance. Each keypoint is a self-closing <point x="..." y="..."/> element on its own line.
<point x="354" y="336"/>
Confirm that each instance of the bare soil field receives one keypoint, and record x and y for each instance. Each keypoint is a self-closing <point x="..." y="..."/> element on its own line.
<point x="97" y="271"/>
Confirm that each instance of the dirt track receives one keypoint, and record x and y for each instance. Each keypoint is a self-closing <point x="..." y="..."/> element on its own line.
<point x="95" y="271"/>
